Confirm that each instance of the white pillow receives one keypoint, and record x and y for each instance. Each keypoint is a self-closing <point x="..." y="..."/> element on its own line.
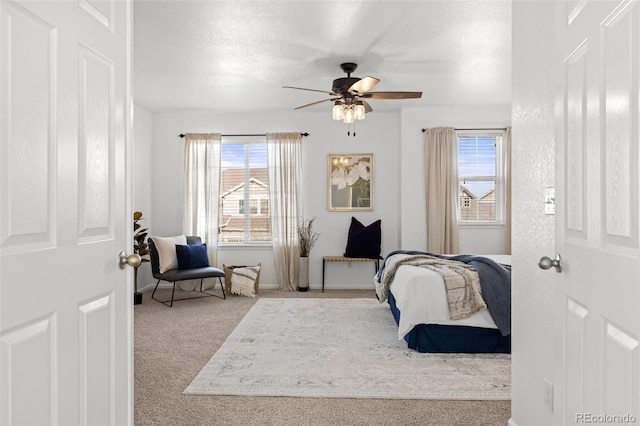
<point x="166" y="247"/>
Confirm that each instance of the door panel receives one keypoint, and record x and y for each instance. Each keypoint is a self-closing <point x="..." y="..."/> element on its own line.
<point x="65" y="304"/>
<point x="27" y="154"/>
<point x="576" y="144"/>
<point x="619" y="140"/>
<point x="97" y="145"/>
<point x="619" y="370"/>
<point x="575" y="347"/>
<point x="96" y="325"/>
<point x="597" y="298"/>
<point x="28" y="372"/>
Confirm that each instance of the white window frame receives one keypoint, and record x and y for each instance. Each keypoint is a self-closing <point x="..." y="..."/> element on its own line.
<point x="499" y="177"/>
<point x="246" y="201"/>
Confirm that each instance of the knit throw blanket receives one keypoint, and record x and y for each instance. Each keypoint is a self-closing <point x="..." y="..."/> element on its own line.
<point x="243" y="280"/>
<point x="461" y="281"/>
<point x="495" y="283"/>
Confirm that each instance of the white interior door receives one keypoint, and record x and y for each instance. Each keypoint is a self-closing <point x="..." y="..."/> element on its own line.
<point x="598" y="294"/>
<point x="65" y="305"/>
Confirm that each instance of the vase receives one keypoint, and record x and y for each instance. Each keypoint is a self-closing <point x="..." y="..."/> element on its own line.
<point x="303" y="274"/>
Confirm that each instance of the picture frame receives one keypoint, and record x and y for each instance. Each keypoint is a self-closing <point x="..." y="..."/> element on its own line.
<point x="350" y="182"/>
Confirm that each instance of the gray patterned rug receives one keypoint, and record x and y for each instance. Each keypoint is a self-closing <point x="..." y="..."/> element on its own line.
<point x="341" y="348"/>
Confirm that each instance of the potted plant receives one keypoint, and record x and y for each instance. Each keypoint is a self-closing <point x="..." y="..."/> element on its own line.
<point x="141" y="248"/>
<point x="307" y="238"/>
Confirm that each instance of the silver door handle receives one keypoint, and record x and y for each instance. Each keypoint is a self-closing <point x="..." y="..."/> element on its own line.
<point x="132" y="260"/>
<point x="546" y="263"/>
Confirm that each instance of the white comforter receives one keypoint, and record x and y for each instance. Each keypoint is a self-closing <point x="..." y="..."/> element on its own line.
<point x="412" y="283"/>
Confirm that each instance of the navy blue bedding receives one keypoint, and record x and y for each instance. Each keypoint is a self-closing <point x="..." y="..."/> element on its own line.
<point x="452" y="339"/>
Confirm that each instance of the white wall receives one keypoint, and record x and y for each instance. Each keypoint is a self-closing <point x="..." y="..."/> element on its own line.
<point x="377" y="134"/>
<point x="533" y="163"/>
<point x="142" y="184"/>
<point x="396" y="141"/>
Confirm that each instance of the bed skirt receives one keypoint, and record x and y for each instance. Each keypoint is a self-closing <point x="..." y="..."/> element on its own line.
<point x="452" y="338"/>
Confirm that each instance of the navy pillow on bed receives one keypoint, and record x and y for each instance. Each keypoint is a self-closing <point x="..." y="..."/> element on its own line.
<point x="364" y="241"/>
<point x="192" y="256"/>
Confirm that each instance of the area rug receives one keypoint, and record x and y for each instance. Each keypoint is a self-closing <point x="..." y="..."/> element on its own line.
<point x="341" y="348"/>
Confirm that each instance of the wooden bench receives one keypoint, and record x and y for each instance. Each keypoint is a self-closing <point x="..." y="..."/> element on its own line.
<point x="326" y="259"/>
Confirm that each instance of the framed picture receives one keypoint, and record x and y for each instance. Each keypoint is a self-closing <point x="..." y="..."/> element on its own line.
<point x="350" y="182"/>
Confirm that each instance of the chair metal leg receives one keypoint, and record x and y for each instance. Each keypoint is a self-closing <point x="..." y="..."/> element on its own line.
<point x="154" y="292"/>
<point x="169" y="303"/>
<point x="173" y="291"/>
<point x="224" y="296"/>
<point x="164" y="302"/>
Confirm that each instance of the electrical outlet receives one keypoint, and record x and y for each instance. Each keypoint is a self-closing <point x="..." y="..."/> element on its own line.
<point x="548" y="395"/>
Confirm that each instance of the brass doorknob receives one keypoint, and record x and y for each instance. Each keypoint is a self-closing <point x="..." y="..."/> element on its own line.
<point x="132" y="260"/>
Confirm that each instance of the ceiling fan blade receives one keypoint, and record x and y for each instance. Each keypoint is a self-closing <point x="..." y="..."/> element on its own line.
<point x="363" y="85"/>
<point x="310" y="90"/>
<point x="367" y="107"/>
<point x="318" y="102"/>
<point x="392" y="95"/>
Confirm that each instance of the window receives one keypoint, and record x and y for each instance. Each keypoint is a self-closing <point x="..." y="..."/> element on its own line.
<point x="481" y="185"/>
<point x="244" y="192"/>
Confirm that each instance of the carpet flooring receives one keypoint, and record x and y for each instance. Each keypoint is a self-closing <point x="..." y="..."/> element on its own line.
<point x="341" y="348"/>
<point x="172" y="345"/>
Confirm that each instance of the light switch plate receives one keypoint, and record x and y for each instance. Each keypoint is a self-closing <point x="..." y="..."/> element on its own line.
<point x="549" y="201"/>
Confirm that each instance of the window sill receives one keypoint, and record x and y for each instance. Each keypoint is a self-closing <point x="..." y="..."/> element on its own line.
<point x="481" y="225"/>
<point x="244" y="246"/>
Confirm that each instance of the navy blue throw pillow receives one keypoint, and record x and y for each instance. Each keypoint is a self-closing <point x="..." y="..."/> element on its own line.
<point x="192" y="256"/>
<point x="364" y="241"/>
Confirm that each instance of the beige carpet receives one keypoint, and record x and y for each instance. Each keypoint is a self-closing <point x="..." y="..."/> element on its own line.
<point x="173" y="344"/>
<point x="341" y="348"/>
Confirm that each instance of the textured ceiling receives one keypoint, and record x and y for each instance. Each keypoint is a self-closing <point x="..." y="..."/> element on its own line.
<point x="232" y="56"/>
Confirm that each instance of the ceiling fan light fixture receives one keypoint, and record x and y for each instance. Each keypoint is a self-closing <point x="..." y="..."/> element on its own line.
<point x="348" y="94"/>
<point x="338" y="111"/>
<point x="360" y="111"/>
<point x="349" y="115"/>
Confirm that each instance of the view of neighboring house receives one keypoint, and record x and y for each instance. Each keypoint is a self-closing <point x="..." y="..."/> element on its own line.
<point x="476" y="208"/>
<point x="244" y="209"/>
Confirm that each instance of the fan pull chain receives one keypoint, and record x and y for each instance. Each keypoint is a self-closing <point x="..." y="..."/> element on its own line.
<point x="349" y="129"/>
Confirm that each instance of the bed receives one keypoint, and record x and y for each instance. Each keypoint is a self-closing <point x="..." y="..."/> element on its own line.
<point x="418" y="300"/>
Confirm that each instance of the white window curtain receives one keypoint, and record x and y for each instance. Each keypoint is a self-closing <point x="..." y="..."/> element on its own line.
<point x="201" y="194"/>
<point x="441" y="167"/>
<point x="507" y="190"/>
<point x="284" y="152"/>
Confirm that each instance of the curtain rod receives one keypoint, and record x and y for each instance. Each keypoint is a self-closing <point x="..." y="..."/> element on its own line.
<point x="182" y="135"/>
<point x="502" y="128"/>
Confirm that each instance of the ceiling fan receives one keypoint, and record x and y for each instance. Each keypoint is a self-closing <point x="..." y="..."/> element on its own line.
<point x="349" y="95"/>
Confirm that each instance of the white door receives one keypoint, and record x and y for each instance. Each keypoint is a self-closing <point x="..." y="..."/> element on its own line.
<point x="65" y="305"/>
<point x="597" y="365"/>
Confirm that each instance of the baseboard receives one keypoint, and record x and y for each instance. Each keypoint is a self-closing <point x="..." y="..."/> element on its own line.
<point x="511" y="423"/>
<point x="345" y="287"/>
<point x="164" y="284"/>
<point x="146" y="288"/>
